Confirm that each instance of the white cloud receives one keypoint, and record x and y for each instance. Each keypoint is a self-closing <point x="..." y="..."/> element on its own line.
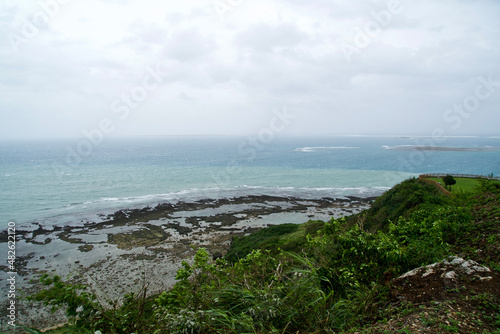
<point x="226" y="75"/>
<point x="268" y="38"/>
<point x="189" y="45"/>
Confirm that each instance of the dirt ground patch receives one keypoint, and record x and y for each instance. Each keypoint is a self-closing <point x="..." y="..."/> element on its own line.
<point x="432" y="300"/>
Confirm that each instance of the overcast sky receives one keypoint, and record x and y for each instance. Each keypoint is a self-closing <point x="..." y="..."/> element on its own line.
<point x="151" y="67"/>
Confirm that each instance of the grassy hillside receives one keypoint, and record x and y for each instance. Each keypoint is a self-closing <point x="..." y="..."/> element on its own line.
<point x="285" y="237"/>
<point x="466" y="185"/>
<point x="326" y="277"/>
<point x="401" y="201"/>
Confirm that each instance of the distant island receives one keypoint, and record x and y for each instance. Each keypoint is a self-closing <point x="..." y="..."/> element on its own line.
<point x="441" y="148"/>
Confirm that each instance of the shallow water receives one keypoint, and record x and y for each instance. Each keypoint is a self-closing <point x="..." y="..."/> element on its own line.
<point x="47" y="183"/>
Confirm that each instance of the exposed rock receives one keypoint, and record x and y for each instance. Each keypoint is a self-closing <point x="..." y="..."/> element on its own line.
<point x="85" y="248"/>
<point x="456" y="261"/>
<point x="450" y="275"/>
<point x="115" y="250"/>
<point x="470" y="267"/>
<point x="452" y="268"/>
<point x="147" y="235"/>
<point x="429" y="271"/>
<point x="434" y="281"/>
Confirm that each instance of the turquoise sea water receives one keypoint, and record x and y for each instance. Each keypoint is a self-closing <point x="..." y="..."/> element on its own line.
<point x="67" y="182"/>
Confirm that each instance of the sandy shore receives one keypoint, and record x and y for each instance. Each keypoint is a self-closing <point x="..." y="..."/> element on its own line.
<point x="131" y="248"/>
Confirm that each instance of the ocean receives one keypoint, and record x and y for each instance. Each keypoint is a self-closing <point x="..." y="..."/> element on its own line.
<point x="63" y="182"/>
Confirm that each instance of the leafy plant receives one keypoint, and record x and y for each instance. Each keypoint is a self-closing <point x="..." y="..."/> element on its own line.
<point x="85" y="312"/>
<point x="448" y="181"/>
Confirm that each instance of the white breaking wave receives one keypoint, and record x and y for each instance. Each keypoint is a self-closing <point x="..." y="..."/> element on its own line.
<point x="96" y="210"/>
<point x="324" y="148"/>
<point x="398" y="147"/>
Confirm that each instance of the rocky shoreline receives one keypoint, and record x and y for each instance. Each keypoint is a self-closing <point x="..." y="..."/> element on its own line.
<point x="136" y="247"/>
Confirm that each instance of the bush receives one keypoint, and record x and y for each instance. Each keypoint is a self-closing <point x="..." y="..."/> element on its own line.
<point x="286" y="237"/>
<point x="88" y="315"/>
<point x="401" y="200"/>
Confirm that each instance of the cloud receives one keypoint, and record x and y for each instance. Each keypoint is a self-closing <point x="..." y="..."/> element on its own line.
<point x="189" y="45"/>
<point x="229" y="74"/>
<point x="267" y="38"/>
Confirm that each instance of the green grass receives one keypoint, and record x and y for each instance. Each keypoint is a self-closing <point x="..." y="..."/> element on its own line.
<point x="285" y="237"/>
<point x="399" y="201"/>
<point x="465" y="185"/>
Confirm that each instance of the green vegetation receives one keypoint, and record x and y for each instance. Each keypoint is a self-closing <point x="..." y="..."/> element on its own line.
<point x="398" y="202"/>
<point x="318" y="277"/>
<point x="466" y="185"/>
<point x="287" y="237"/>
<point x="448" y="181"/>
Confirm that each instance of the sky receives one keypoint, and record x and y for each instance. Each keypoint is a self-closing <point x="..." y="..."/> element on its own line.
<point x="73" y="68"/>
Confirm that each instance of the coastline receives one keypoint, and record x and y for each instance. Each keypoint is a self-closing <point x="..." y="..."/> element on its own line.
<point x="137" y="247"/>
